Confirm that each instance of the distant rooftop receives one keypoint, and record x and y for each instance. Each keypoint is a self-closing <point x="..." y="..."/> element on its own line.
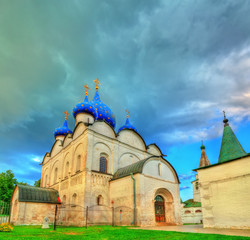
<point x="191" y="203"/>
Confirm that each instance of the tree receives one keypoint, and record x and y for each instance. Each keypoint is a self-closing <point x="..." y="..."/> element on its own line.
<point x="23" y="183"/>
<point x="7" y="185"/>
<point x="37" y="183"/>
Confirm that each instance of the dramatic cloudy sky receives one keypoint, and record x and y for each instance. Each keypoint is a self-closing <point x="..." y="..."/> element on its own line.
<point x="174" y="64"/>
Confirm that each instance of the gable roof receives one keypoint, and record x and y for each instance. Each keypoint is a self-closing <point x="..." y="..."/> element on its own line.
<point x="37" y="194"/>
<point x="132" y="168"/>
<point x="137" y="168"/>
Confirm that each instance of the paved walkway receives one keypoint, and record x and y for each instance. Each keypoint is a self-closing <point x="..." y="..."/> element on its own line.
<point x="200" y="229"/>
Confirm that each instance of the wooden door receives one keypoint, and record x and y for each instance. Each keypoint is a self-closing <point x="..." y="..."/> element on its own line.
<point x="159" y="209"/>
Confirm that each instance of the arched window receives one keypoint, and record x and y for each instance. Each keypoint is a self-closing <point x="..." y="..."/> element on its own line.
<point x="198" y="211"/>
<point x="159" y="169"/>
<point x="64" y="199"/>
<point x="66" y="170"/>
<point x="55" y="175"/>
<point x="100" y="200"/>
<point x="159" y="198"/>
<point x="78" y="163"/>
<point x="74" y="200"/>
<point x="103" y="164"/>
<point x="187" y="212"/>
<point x="197" y="185"/>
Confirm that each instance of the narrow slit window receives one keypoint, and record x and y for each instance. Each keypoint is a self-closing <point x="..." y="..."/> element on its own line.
<point x="103" y="165"/>
<point x="67" y="169"/>
<point x="197" y="186"/>
<point x="159" y="169"/>
<point x="100" y="200"/>
<point x="55" y="175"/>
<point x="78" y="163"/>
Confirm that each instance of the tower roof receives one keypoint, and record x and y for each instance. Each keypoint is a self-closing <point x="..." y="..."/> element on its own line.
<point x="127" y="125"/>
<point x="85" y="106"/>
<point x="103" y="111"/>
<point x="204" y="159"/>
<point x="64" y="130"/>
<point x="230" y="146"/>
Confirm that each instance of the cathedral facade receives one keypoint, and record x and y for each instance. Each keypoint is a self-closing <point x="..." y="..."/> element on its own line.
<point x="93" y="167"/>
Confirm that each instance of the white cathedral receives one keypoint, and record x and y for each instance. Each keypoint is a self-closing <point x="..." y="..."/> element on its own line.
<point x="93" y="166"/>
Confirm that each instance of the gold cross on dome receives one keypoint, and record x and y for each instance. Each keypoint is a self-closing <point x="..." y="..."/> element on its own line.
<point x="97" y="83"/>
<point x="127" y="112"/>
<point x="66" y="114"/>
<point x="87" y="88"/>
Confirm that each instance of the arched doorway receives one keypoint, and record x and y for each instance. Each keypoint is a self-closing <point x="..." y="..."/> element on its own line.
<point x="159" y="209"/>
<point x="164" y="206"/>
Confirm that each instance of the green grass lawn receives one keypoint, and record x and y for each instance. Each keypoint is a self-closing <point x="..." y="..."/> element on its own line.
<point x="105" y="232"/>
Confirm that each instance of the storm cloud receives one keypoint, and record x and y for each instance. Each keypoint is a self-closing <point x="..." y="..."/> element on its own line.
<point x="174" y="64"/>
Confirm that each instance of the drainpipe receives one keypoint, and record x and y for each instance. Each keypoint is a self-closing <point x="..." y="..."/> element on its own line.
<point x="131" y="174"/>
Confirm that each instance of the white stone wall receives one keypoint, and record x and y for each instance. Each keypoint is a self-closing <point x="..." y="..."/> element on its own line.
<point x="122" y="196"/>
<point x="132" y="139"/>
<point x="127" y="158"/>
<point x="225" y="194"/>
<point x="149" y="188"/>
<point x="28" y="213"/>
<point x="120" y="154"/>
<point x="160" y="169"/>
<point x="191" y="215"/>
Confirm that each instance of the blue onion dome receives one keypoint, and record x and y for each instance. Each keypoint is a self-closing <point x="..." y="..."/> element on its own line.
<point x="127" y="125"/>
<point x="85" y="106"/>
<point x="103" y="111"/>
<point x="64" y="130"/>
